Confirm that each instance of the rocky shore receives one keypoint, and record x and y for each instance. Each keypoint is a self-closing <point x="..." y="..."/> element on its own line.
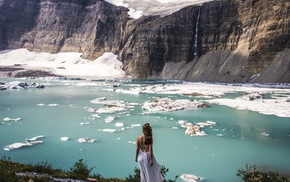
<point x="19" y="85"/>
<point x="19" y="72"/>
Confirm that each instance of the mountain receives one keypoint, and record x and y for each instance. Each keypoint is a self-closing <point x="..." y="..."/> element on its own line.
<point x="217" y="41"/>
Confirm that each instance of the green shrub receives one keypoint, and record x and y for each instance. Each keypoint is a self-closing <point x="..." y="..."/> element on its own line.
<point x="80" y="170"/>
<point x="251" y="174"/>
<point x="136" y="176"/>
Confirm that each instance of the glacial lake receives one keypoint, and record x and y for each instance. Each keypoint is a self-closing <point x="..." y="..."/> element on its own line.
<point x="64" y="109"/>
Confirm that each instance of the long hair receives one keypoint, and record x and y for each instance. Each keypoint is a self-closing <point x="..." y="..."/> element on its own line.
<point x="147" y="130"/>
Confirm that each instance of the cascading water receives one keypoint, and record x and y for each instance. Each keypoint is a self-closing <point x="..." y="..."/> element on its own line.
<point x="196" y="32"/>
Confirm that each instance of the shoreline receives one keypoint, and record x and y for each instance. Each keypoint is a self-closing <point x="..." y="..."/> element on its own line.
<point x="25" y="63"/>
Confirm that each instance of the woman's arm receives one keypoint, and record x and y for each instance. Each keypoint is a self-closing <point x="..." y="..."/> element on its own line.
<point x="151" y="154"/>
<point x="137" y="149"/>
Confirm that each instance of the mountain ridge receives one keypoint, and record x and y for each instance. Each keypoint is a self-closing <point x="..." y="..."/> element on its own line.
<point x="218" y="41"/>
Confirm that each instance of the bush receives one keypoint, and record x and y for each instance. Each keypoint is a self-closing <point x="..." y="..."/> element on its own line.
<point x="250" y="174"/>
<point x="136" y="176"/>
<point x="80" y="170"/>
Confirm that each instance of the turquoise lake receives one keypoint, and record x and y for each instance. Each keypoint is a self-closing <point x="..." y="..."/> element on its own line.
<point x="59" y="109"/>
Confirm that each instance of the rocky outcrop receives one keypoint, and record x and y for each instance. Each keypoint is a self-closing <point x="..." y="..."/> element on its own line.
<point x="224" y="41"/>
<point x="87" y="26"/>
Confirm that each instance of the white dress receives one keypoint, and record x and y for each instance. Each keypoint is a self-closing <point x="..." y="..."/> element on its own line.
<point x="148" y="173"/>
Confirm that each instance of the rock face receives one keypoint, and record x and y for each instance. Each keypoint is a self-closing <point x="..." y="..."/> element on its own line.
<point x="224" y="41"/>
<point x="87" y="26"/>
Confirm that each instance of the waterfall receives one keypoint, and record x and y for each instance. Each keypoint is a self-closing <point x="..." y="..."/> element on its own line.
<point x="196" y="32"/>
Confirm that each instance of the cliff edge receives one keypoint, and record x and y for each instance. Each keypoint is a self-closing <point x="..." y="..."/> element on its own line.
<point x="218" y="41"/>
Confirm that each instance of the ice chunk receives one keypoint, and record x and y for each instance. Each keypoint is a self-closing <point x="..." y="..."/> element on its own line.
<point x="108" y="130"/>
<point x="19" y="145"/>
<point x="86" y="140"/>
<point x="191" y="178"/>
<point x="35" y="138"/>
<point x="11" y="119"/>
<point x="119" y="124"/>
<point x="109" y="119"/>
<point x="64" y="138"/>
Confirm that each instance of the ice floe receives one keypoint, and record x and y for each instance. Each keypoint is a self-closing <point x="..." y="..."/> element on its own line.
<point x="253" y="99"/>
<point x="108" y="110"/>
<point x="48" y="105"/>
<point x="99" y="100"/>
<point x="84" y="123"/>
<point x="131" y="91"/>
<point x="27" y="143"/>
<point x="111" y="106"/>
<point x="20" y="85"/>
<point x="195" y="129"/>
<point x="135" y="125"/>
<point x="265" y="106"/>
<point x="264" y="134"/>
<point x="191" y="178"/>
<point x="19" y="145"/>
<point x="11" y="119"/>
<point x="204" y="124"/>
<point x="168" y="104"/>
<point x="108" y="130"/>
<point x="86" y="140"/>
<point x="251" y="96"/>
<point x="35" y="138"/>
<point x="64" y="138"/>
<point x="52" y="105"/>
<point x="109" y="119"/>
<point x="119" y="124"/>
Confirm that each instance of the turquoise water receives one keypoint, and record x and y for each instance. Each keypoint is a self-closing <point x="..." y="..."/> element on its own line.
<point x="229" y="146"/>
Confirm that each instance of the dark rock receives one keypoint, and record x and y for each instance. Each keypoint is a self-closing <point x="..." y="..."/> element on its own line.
<point x="236" y="39"/>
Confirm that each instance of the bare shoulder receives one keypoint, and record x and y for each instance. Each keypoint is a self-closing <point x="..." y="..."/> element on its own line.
<point x="139" y="139"/>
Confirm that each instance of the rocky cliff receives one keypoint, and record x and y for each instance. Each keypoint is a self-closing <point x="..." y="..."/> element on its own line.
<point x="224" y="40"/>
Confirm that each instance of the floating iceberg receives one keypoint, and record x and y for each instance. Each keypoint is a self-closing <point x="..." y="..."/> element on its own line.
<point x="251" y="96"/>
<point x="194" y="129"/>
<point x="109" y="119"/>
<point x="119" y="124"/>
<point x="35" y="138"/>
<point x="207" y="123"/>
<point x="191" y="178"/>
<point x="98" y="100"/>
<point x="52" y="105"/>
<point x="167" y="105"/>
<point x="132" y="91"/>
<point x="19" y="145"/>
<point x="41" y="104"/>
<point x="108" y="110"/>
<point x="11" y="119"/>
<point x="20" y="85"/>
<point x="265" y="134"/>
<point x="135" y="125"/>
<point x="86" y="140"/>
<point x="64" y="138"/>
<point x="108" y="130"/>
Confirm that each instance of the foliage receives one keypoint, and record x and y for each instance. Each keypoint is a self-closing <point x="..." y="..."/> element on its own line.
<point x="251" y="174"/>
<point x="80" y="170"/>
<point x="7" y="170"/>
<point x="136" y="176"/>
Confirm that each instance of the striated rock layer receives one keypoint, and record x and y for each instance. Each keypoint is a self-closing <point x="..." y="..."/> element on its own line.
<point x="223" y="41"/>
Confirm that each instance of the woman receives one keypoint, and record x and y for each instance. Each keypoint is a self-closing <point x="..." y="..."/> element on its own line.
<point x="149" y="169"/>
